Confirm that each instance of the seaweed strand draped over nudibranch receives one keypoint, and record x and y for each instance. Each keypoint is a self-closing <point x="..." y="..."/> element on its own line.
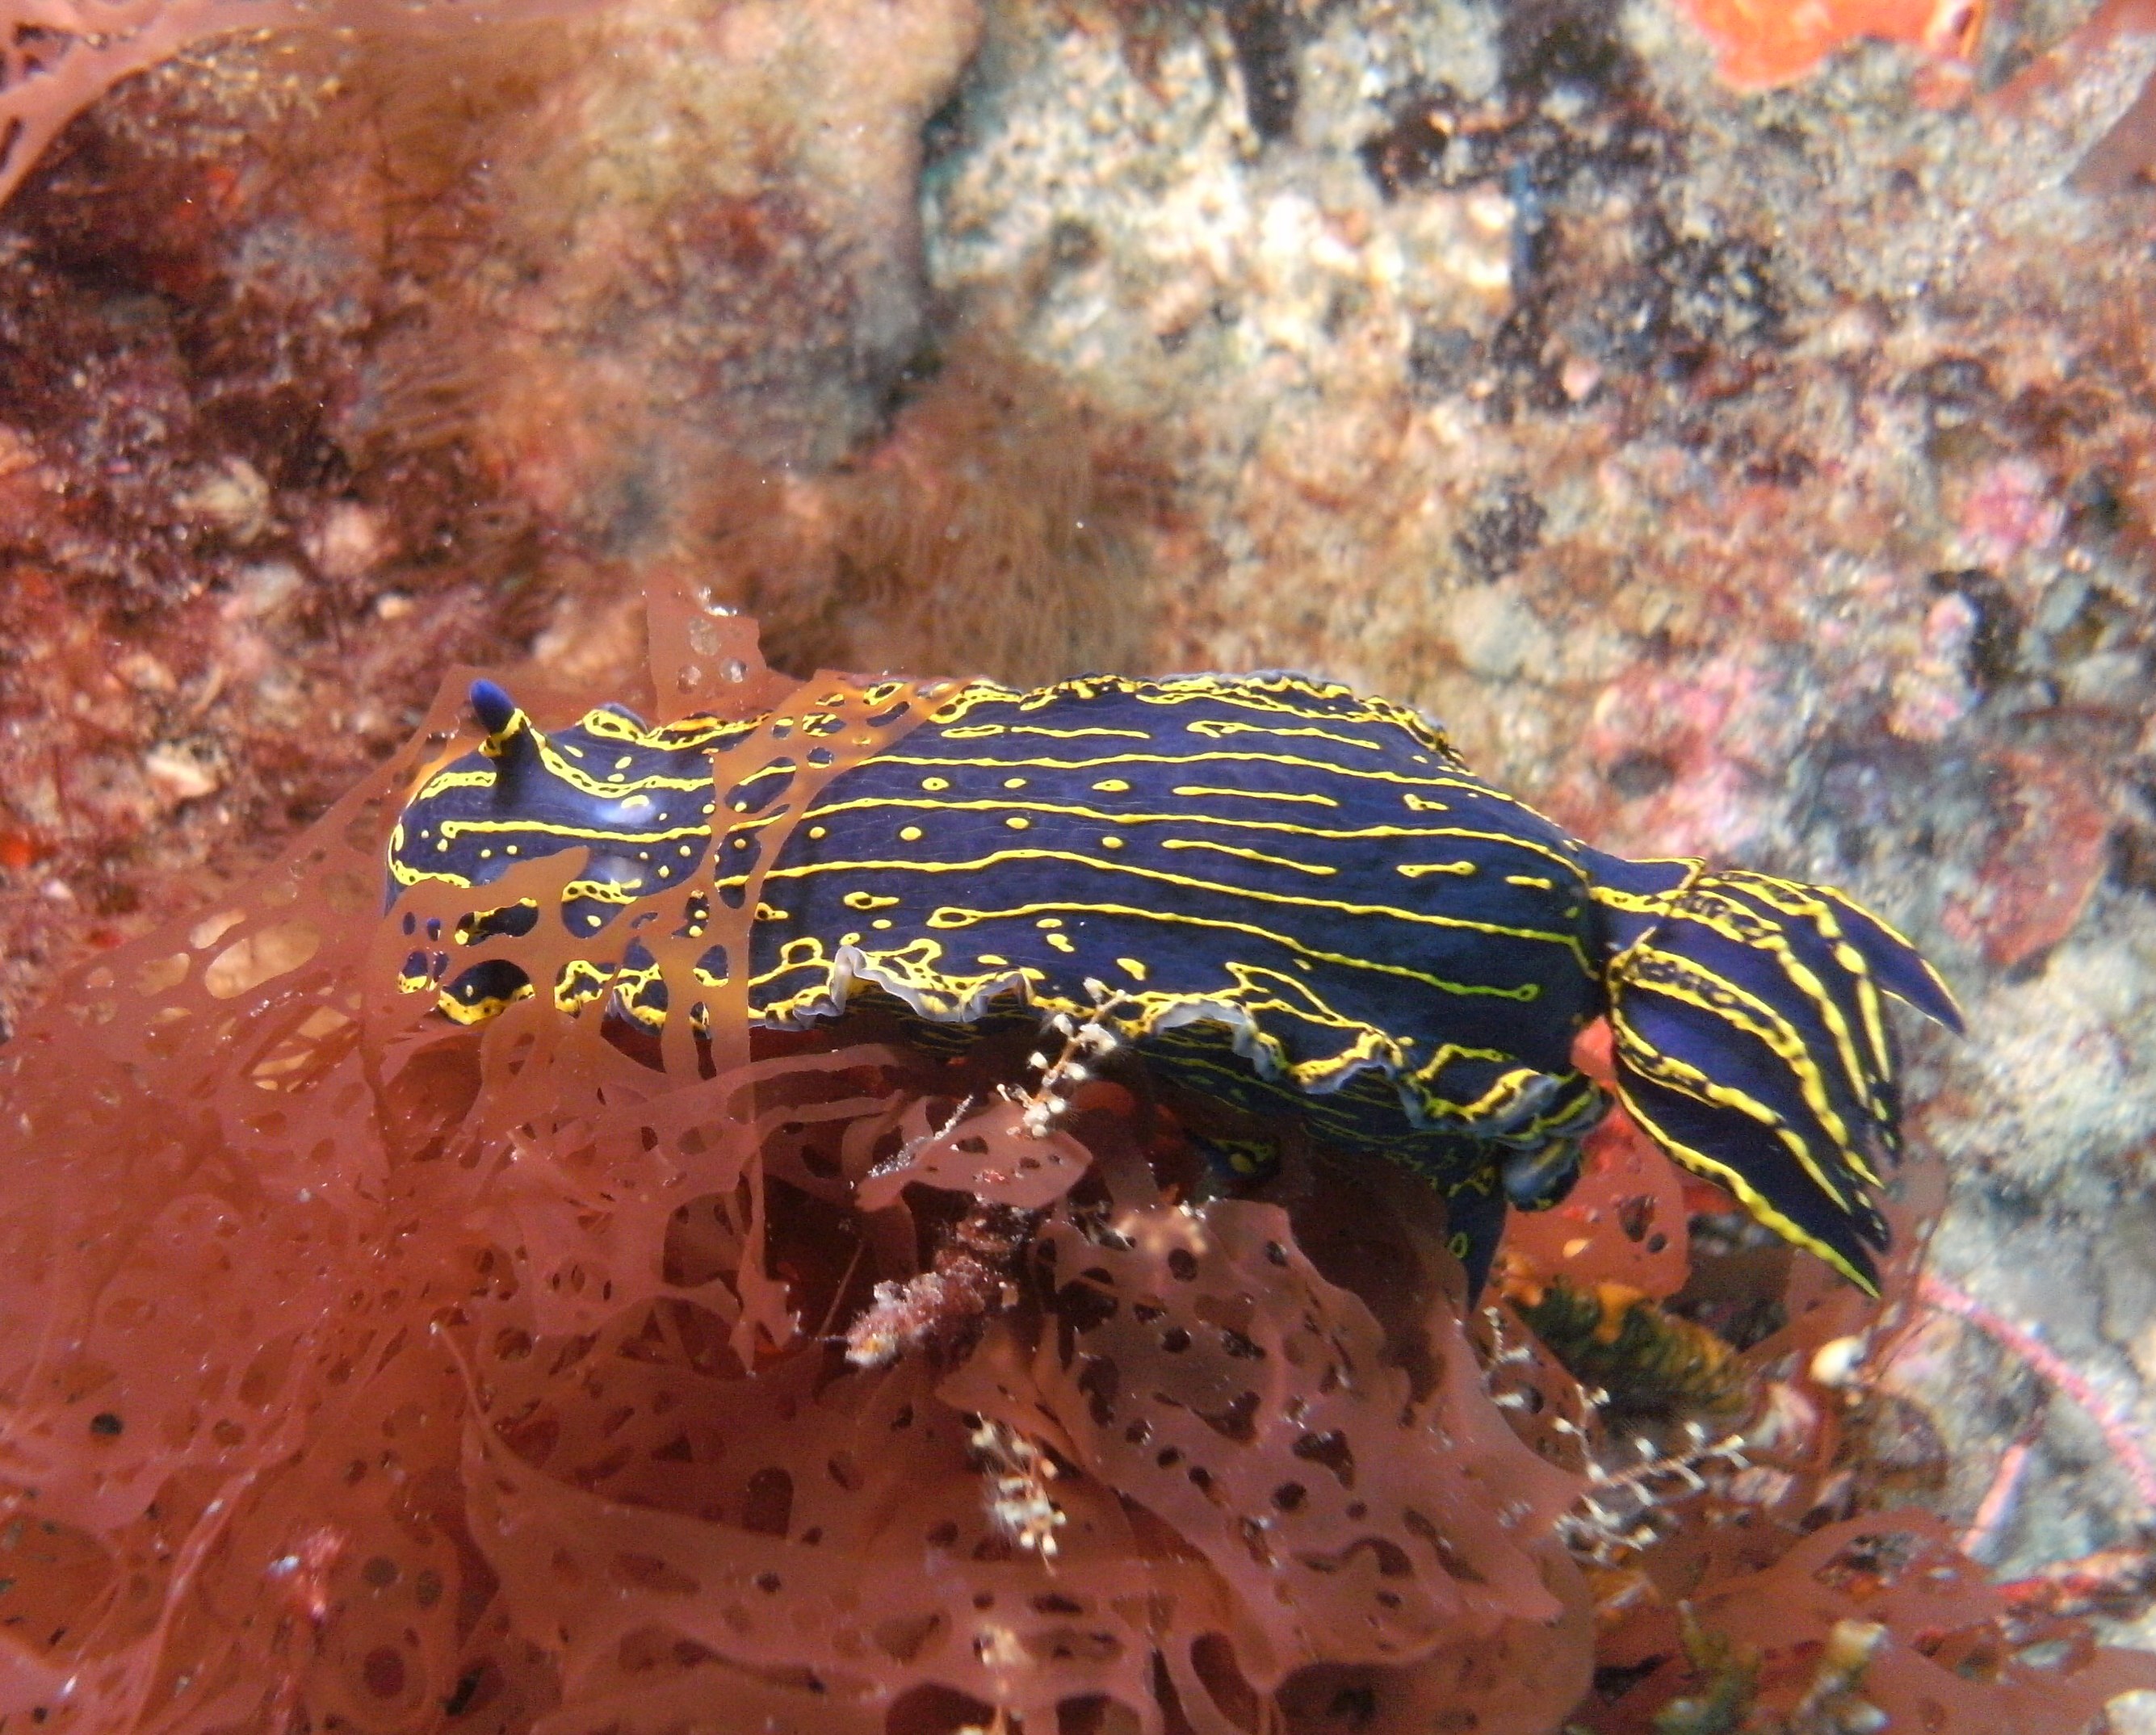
<point x="1283" y="895"/>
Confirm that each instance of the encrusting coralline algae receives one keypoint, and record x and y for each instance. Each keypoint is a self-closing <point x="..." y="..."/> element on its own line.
<point x="1758" y="474"/>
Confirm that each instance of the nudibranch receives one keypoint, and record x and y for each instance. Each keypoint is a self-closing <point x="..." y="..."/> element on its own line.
<point x="1300" y="897"/>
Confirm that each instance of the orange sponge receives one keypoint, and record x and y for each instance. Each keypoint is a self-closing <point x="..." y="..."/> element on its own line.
<point x="1763" y="42"/>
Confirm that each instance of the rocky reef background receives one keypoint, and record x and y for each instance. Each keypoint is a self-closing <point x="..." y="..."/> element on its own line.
<point x="1762" y="475"/>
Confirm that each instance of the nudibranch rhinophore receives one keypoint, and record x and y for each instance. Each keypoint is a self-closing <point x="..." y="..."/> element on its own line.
<point x="1300" y="896"/>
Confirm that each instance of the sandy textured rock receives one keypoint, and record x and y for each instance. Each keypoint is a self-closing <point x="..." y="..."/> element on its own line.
<point x="327" y="361"/>
<point x="1762" y="475"/>
<point x="1757" y="476"/>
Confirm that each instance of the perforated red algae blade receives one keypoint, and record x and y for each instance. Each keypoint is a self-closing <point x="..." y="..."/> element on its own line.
<point x="358" y="1370"/>
<point x="202" y="1274"/>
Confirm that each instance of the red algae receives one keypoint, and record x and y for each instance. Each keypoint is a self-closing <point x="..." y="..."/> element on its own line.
<point x="1626" y="1221"/>
<point x="1863" y="1584"/>
<point x="337" y="354"/>
<point x="364" y="1371"/>
<point x="60" y="56"/>
<point x="367" y="1370"/>
<point x="1773" y="1579"/>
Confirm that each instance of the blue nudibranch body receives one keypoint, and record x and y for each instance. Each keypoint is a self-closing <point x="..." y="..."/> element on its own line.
<point x="1300" y="895"/>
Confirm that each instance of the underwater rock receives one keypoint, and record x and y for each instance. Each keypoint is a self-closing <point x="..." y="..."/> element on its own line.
<point x="294" y="423"/>
<point x="1805" y="386"/>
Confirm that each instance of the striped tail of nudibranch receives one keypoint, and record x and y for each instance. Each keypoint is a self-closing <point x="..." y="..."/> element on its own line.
<point x="1751" y="1040"/>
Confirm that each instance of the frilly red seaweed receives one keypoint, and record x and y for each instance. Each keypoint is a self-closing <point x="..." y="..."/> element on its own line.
<point x="367" y="1371"/>
<point x="363" y="1371"/>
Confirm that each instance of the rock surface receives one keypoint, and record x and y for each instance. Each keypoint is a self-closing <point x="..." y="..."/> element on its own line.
<point x="1764" y="475"/>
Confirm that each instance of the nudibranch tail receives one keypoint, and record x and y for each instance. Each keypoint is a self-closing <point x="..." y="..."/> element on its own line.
<point x="1902" y="970"/>
<point x="1752" y="1042"/>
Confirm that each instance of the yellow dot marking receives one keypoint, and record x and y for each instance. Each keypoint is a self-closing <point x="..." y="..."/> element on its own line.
<point x="1111" y="786"/>
<point x="1111" y="843"/>
<point x="1061" y="942"/>
<point x="909" y="833"/>
<point x="1422" y="870"/>
<point x="1048" y="921"/>
<point x="936" y="782"/>
<point x="990" y="958"/>
<point x="1018" y="822"/>
<point x="1135" y="970"/>
<point x="1014" y="783"/>
<point x="819" y="831"/>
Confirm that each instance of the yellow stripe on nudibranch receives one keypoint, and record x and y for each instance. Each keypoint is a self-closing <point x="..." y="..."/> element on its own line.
<point x="1258" y="856"/>
<point x="1746" y="1194"/>
<point x="1202" y="791"/>
<point x="1681" y="978"/>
